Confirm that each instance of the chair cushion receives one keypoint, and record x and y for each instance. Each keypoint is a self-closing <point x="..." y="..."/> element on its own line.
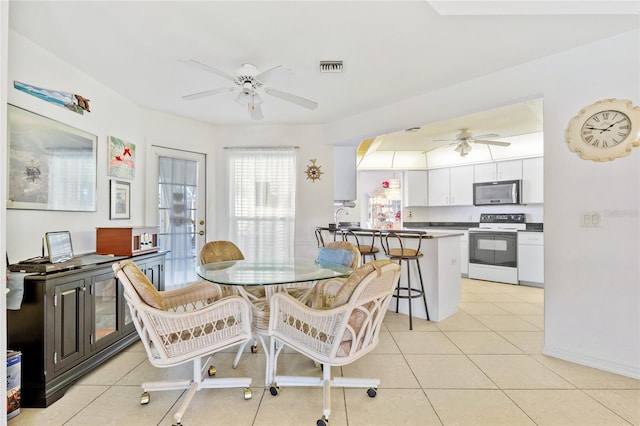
<point x="145" y="289"/>
<point x="347" y="289"/>
<point x="336" y="256"/>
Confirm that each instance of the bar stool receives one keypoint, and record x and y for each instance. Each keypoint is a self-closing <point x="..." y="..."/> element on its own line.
<point x="364" y="239"/>
<point x="405" y="245"/>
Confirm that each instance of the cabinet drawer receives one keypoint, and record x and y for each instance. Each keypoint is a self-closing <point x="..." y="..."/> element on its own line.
<point x="532" y="238"/>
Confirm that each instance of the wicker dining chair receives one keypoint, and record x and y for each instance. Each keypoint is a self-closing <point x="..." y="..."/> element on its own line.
<point x="336" y="334"/>
<point x="185" y="325"/>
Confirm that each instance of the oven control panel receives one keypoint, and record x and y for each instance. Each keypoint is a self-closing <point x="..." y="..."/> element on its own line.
<point x="502" y="218"/>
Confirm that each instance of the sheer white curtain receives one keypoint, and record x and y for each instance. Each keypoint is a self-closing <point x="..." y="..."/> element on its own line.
<point x="177" y="184"/>
<point x="262" y="199"/>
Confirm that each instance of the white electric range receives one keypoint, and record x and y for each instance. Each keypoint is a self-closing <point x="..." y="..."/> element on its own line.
<point x="493" y="247"/>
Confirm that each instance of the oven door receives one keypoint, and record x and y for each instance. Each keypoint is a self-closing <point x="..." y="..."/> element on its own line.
<point x="493" y="248"/>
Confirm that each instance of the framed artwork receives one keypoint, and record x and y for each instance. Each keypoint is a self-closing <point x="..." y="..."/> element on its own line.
<point x="122" y="158"/>
<point x="51" y="166"/>
<point x="120" y="200"/>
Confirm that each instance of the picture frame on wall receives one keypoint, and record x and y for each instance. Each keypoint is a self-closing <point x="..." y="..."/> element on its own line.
<point x="51" y="165"/>
<point x="122" y="158"/>
<point x="119" y="200"/>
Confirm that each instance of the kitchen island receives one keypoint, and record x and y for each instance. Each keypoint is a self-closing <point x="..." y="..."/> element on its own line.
<point x="440" y="268"/>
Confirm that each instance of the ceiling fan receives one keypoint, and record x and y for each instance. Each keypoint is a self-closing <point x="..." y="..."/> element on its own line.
<point x="248" y="81"/>
<point x="465" y="137"/>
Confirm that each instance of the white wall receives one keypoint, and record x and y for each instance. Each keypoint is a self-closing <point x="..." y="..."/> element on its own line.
<point x="110" y="114"/>
<point x="592" y="280"/>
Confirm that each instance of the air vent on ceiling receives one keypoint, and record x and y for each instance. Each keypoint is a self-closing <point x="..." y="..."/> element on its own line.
<point x="331" y="66"/>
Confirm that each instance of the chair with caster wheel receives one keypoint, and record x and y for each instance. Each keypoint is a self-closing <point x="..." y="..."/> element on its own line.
<point x="222" y="251"/>
<point x="185" y="325"/>
<point x="337" y="334"/>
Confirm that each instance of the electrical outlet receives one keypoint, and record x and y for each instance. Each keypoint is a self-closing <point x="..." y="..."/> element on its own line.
<point x="590" y="219"/>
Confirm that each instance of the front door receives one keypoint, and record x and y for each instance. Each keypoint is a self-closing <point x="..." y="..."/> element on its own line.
<point x="179" y="207"/>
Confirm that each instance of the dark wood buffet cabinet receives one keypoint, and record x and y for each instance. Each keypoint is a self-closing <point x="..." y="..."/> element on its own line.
<point x="70" y="322"/>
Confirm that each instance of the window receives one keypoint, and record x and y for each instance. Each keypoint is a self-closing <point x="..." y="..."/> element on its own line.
<point x="262" y="201"/>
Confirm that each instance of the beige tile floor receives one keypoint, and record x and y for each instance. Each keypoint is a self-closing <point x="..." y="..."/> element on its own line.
<point x="482" y="366"/>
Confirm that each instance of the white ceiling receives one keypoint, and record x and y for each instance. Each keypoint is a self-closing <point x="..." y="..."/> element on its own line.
<point x="392" y="50"/>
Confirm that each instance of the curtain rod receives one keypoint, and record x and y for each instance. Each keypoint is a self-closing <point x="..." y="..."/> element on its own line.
<point x="261" y="147"/>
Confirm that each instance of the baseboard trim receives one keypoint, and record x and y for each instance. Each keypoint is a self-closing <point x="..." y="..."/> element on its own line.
<point x="600" y="364"/>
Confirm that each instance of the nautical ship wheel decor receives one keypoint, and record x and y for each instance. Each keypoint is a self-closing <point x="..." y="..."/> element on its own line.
<point x="313" y="171"/>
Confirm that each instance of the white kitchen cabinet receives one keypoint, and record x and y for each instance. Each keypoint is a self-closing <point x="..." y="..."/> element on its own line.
<point x="415" y="188"/>
<point x="438" y="187"/>
<point x="531" y="258"/>
<point x="461" y="186"/>
<point x="344" y="184"/>
<point x="450" y="187"/>
<point x="533" y="180"/>
<point x="502" y="170"/>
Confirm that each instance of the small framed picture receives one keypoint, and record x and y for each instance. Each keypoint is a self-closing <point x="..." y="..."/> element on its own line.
<point x="120" y="200"/>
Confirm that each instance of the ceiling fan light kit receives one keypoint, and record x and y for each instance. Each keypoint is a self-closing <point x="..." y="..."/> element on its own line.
<point x="463" y="147"/>
<point x="248" y="80"/>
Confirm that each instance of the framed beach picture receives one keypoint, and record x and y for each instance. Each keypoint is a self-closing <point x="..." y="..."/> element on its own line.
<point x="122" y="158"/>
<point x="51" y="166"/>
<point x="120" y="200"/>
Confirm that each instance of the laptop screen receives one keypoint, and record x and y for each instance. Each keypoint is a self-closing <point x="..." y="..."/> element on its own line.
<point x="59" y="246"/>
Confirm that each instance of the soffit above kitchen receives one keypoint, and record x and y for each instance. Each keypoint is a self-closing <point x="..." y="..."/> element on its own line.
<point x="434" y="145"/>
<point x="391" y="50"/>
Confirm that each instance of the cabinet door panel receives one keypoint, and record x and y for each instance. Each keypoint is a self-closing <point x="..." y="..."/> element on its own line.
<point x="484" y="172"/>
<point x="461" y="184"/>
<point x="509" y="170"/>
<point x="533" y="180"/>
<point x="104" y="310"/>
<point x="438" y="184"/>
<point x="416" y="188"/>
<point x="69" y="314"/>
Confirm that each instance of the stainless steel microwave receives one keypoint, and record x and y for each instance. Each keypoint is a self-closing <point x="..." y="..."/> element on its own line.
<point x="497" y="193"/>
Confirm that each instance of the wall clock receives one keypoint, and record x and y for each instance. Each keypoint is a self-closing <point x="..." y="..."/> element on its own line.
<point x="605" y="130"/>
<point x="313" y="171"/>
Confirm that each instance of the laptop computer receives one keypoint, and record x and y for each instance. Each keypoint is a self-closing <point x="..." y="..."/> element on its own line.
<point x="59" y="246"/>
<point x="60" y="255"/>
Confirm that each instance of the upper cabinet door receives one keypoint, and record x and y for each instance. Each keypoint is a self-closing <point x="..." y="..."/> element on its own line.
<point x="461" y="186"/>
<point x="502" y="170"/>
<point x="509" y="170"/>
<point x="484" y="172"/>
<point x="533" y="180"/>
<point x="415" y="188"/>
<point x="438" y="183"/>
<point x="344" y="183"/>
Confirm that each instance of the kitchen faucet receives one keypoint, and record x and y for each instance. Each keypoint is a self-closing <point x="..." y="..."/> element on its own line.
<point x="341" y="209"/>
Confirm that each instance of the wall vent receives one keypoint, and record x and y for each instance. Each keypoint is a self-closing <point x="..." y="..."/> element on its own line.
<point x="331" y="66"/>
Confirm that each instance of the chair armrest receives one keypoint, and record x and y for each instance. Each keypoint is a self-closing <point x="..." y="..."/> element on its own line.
<point x="191" y="297"/>
<point x="322" y="293"/>
<point x="218" y="325"/>
<point x="315" y="332"/>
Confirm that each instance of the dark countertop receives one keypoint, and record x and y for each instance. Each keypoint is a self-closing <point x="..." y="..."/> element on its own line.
<point x="531" y="227"/>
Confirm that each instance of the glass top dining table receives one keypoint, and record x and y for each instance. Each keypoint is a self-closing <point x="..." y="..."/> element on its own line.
<point x="268" y="273"/>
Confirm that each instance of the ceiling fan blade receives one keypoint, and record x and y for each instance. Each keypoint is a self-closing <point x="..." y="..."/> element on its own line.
<point x="208" y="68"/>
<point x="486" y="136"/>
<point x="306" y="103"/>
<point x="498" y="143"/>
<point x="207" y="93"/>
<point x="255" y="111"/>
<point x="265" y="75"/>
